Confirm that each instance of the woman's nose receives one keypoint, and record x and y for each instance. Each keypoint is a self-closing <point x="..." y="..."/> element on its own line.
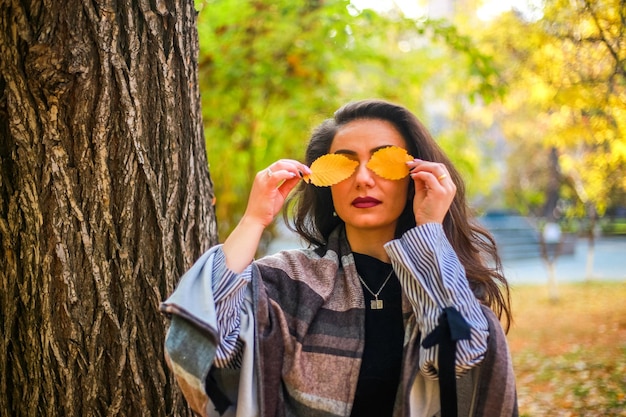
<point x="364" y="176"/>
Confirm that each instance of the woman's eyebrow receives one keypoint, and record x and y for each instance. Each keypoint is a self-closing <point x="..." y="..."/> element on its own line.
<point x="350" y="152"/>
<point x="379" y="148"/>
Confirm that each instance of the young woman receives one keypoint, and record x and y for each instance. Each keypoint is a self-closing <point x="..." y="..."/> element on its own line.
<point x="389" y="312"/>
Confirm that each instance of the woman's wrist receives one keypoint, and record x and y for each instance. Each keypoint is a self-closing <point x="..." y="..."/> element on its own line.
<point x="241" y="246"/>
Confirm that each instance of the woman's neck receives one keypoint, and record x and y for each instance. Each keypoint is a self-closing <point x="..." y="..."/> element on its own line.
<point x="369" y="242"/>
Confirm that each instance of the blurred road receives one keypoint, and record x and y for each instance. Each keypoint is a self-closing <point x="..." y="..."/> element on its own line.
<point x="609" y="263"/>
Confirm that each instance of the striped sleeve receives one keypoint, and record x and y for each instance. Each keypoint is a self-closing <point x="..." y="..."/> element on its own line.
<point x="433" y="278"/>
<point x="229" y="289"/>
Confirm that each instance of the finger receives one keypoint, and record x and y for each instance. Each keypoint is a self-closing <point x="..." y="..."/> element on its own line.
<point x="429" y="180"/>
<point x="286" y="186"/>
<point x="287" y="166"/>
<point x="278" y="175"/>
<point x="438" y="171"/>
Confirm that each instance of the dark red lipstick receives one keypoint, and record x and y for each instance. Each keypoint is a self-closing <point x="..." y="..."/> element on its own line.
<point x="365" y="202"/>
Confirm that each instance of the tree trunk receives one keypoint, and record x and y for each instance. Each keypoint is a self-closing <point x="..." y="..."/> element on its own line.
<point x="105" y="200"/>
<point x="549" y="211"/>
<point x="592" y="215"/>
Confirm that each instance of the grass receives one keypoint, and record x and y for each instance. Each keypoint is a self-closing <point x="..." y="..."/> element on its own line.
<point x="570" y="356"/>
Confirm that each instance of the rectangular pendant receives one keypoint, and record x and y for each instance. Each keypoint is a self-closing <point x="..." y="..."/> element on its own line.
<point x="376" y="304"/>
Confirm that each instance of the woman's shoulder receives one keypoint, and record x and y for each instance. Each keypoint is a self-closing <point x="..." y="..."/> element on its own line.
<point x="301" y="263"/>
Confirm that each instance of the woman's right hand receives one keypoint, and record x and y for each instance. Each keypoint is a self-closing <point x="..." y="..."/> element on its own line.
<point x="269" y="191"/>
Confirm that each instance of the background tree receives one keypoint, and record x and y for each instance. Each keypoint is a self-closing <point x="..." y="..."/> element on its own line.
<point x="105" y="200"/>
<point x="566" y="77"/>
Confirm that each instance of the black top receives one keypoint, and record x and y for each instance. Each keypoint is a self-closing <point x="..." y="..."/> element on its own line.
<point x="384" y="335"/>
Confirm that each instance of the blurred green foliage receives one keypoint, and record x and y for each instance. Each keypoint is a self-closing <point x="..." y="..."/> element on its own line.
<point x="499" y="96"/>
<point x="271" y="70"/>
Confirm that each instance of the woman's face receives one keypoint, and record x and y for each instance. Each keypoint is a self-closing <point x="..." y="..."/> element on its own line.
<point x="365" y="201"/>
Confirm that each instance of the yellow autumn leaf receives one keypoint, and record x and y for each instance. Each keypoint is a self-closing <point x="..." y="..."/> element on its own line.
<point x="390" y="163"/>
<point x="330" y="169"/>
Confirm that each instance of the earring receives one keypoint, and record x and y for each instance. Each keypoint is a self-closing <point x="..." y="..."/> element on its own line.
<point x="334" y="213"/>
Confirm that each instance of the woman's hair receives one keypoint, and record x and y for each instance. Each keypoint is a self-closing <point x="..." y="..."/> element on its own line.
<point x="314" y="219"/>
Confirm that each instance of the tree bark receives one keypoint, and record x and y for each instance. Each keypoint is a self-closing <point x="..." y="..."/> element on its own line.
<point x="105" y="200"/>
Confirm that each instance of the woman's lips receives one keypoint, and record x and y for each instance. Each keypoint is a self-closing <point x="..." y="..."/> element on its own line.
<point x="365" y="202"/>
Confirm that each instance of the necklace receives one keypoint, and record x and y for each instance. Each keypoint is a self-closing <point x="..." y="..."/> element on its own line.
<point x="376" y="304"/>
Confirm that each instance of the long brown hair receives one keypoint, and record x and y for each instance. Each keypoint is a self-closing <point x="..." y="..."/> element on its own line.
<point x="313" y="216"/>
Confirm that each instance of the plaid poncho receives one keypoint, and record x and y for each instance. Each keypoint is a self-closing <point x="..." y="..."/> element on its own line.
<point x="293" y="326"/>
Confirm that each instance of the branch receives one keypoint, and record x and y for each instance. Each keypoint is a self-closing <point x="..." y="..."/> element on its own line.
<point x="620" y="69"/>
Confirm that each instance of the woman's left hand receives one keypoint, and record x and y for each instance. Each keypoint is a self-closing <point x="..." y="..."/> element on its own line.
<point x="434" y="191"/>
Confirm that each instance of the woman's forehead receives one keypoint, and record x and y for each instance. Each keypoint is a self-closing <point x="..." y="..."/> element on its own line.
<point x="366" y="135"/>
